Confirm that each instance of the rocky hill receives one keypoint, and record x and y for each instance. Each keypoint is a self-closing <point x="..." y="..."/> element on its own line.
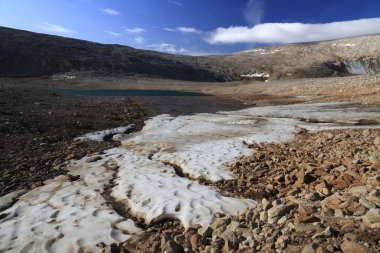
<point x="27" y="54"/>
<point x="357" y="55"/>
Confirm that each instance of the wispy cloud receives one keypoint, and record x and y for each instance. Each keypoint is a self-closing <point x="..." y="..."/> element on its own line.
<point x="135" y="30"/>
<point x="254" y="11"/>
<point x="111" y="11"/>
<point x="139" y="40"/>
<point x="183" y="29"/>
<point x="175" y="2"/>
<point x="53" y="28"/>
<point x="168" y="48"/>
<point x="113" y="33"/>
<point x="293" y="32"/>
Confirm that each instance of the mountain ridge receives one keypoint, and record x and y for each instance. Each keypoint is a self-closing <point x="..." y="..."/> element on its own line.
<point x="28" y="54"/>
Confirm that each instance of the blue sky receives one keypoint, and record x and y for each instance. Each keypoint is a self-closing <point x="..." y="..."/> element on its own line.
<point x="194" y="26"/>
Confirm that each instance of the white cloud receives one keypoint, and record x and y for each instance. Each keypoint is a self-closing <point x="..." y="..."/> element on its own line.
<point x="53" y="28"/>
<point x="168" y="48"/>
<point x="139" y="40"/>
<point x="113" y="33"/>
<point x="183" y="29"/>
<point x="293" y="32"/>
<point x="111" y="11"/>
<point x="135" y="30"/>
<point x="175" y="2"/>
<point x="254" y="11"/>
<point x="170" y="29"/>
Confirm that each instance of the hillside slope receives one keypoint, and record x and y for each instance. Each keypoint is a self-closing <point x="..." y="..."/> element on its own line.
<point x="27" y="54"/>
<point x="357" y="55"/>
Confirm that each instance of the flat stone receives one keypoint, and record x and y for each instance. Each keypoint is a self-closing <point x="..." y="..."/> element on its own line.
<point x="314" y="196"/>
<point x="278" y="211"/>
<point x="374" y="196"/>
<point x="93" y="159"/>
<point x="376" y="142"/>
<point x="366" y="203"/>
<point x="194" y="240"/>
<point x="332" y="202"/>
<point x="376" y="165"/>
<point x="205" y="232"/>
<point x="282" y="220"/>
<point x="230" y="245"/>
<point x="353" y="247"/>
<point x="310" y="248"/>
<point x="173" y="247"/>
<point x="372" y="218"/>
<point x="359" y="191"/>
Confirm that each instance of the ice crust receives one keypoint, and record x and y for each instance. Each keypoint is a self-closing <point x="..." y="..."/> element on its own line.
<point x="99" y="135"/>
<point x="154" y="176"/>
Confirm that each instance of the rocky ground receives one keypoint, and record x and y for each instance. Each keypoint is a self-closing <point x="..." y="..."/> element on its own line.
<point x="38" y="127"/>
<point x="361" y="89"/>
<point x="317" y="193"/>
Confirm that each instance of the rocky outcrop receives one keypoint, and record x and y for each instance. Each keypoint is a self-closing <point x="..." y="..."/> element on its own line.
<point x="363" y="65"/>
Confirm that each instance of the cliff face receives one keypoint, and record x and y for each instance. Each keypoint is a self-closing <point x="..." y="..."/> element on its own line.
<point x="27" y="54"/>
<point x="363" y="66"/>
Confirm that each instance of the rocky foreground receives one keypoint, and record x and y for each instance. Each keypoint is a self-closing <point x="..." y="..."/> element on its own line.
<point x="317" y="193"/>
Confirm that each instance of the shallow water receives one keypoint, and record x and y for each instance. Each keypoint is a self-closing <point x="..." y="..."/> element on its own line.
<point x="175" y="106"/>
<point x="168" y="101"/>
<point x="132" y="93"/>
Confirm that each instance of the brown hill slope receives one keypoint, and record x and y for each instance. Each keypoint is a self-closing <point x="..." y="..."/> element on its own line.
<point x="27" y="54"/>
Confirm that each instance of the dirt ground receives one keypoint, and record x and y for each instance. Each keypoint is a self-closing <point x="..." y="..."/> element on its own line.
<point x="359" y="89"/>
<point x="38" y="127"/>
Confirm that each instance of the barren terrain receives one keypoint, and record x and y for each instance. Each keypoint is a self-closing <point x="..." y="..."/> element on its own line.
<point x="288" y="164"/>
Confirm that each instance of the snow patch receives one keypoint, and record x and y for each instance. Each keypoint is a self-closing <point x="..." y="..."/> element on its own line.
<point x="64" y="216"/>
<point x="348" y="114"/>
<point x="100" y="135"/>
<point x="205" y="145"/>
<point x="344" y="45"/>
<point x="156" y="193"/>
<point x="256" y="75"/>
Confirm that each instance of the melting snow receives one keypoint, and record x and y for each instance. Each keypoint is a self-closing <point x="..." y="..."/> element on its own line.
<point x="74" y="216"/>
<point x="99" y="135"/>
<point x="256" y="75"/>
<point x="157" y="193"/>
<point x="65" y="216"/>
<point x="204" y="145"/>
